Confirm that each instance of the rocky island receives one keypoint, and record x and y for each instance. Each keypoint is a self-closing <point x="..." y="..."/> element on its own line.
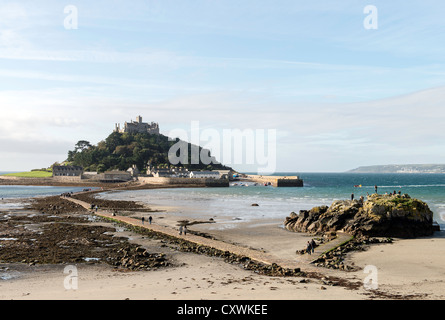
<point x="396" y="215"/>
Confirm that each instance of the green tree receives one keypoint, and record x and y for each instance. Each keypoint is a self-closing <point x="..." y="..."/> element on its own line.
<point x="122" y="150"/>
<point x="82" y="145"/>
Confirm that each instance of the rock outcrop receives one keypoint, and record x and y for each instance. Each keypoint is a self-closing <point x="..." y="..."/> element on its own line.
<point x="397" y="216"/>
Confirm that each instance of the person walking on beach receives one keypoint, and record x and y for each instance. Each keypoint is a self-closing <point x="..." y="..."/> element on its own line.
<point x="143" y="219"/>
<point x="313" y="245"/>
<point x="185" y="230"/>
<point x="149" y="219"/>
<point x="180" y="230"/>
<point x="352" y="196"/>
<point x="375" y="188"/>
<point x="309" y="247"/>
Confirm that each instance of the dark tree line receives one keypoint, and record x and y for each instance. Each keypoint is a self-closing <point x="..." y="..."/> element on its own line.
<point x="119" y="151"/>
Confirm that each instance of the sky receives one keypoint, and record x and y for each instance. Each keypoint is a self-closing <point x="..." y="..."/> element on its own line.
<point x="338" y="93"/>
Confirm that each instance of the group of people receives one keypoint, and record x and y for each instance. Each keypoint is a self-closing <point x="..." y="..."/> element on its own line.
<point x="310" y="248"/>
<point x="391" y="194"/>
<point x="150" y="219"/>
<point x="183" y="230"/>
<point x="66" y="194"/>
<point x="376" y="188"/>
<point x="361" y="197"/>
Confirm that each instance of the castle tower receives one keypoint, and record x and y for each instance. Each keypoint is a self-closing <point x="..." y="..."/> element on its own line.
<point x="138" y="126"/>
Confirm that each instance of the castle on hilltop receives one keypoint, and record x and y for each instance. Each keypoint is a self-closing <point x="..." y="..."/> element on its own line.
<point x="138" y="127"/>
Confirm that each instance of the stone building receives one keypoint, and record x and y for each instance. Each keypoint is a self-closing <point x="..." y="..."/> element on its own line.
<point x="226" y="174"/>
<point x="134" y="171"/>
<point x="67" y="171"/>
<point x="138" y="127"/>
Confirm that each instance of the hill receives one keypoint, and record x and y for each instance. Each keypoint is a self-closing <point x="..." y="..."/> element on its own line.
<point x="120" y="151"/>
<point x="401" y="168"/>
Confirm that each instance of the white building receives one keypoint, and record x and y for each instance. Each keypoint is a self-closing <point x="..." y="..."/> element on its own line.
<point x="204" y="174"/>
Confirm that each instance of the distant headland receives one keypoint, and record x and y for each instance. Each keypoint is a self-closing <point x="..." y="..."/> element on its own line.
<point x="401" y="168"/>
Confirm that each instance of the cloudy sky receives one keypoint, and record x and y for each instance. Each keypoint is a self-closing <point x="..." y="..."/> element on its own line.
<point x="339" y="95"/>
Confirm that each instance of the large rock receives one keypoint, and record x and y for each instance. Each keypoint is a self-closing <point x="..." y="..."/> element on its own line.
<point x="381" y="215"/>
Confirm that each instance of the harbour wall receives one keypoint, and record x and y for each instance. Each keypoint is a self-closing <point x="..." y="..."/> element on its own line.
<point x="185" y="181"/>
<point x="277" y="181"/>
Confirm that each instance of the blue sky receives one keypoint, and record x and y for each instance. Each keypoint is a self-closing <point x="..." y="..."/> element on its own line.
<point x="339" y="95"/>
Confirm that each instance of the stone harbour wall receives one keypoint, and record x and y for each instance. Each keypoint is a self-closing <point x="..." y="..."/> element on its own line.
<point x="185" y="181"/>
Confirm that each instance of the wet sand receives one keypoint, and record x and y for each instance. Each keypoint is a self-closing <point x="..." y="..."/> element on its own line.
<point x="407" y="269"/>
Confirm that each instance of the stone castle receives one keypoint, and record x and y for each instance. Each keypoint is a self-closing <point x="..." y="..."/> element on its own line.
<point x="138" y="127"/>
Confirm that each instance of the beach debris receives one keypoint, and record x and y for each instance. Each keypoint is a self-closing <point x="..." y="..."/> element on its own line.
<point x="137" y="258"/>
<point x="336" y="258"/>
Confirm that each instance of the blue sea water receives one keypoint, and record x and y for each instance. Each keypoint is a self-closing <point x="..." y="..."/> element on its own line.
<point x="319" y="189"/>
<point x="18" y="192"/>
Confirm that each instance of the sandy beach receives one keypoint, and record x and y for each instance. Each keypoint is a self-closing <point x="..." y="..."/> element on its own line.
<point x="196" y="277"/>
<point x="405" y="269"/>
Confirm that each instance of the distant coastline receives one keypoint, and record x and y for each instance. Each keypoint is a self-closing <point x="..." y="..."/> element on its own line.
<point x="401" y="168"/>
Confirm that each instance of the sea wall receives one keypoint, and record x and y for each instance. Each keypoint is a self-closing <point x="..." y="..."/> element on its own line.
<point x="4" y="180"/>
<point x="67" y="178"/>
<point x="289" y="182"/>
<point x="185" y="181"/>
<point x="277" y="181"/>
<point x="50" y="181"/>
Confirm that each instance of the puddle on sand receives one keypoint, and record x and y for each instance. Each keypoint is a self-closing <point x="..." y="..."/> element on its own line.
<point x="6" y="274"/>
<point x="91" y="259"/>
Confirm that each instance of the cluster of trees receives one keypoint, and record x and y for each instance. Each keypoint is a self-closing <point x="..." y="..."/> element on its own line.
<point x="119" y="151"/>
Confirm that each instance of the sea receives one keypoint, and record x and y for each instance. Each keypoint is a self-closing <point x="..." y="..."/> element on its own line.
<point x="12" y="196"/>
<point x="234" y="204"/>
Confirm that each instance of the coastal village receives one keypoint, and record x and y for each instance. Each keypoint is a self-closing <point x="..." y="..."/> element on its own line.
<point x="166" y="174"/>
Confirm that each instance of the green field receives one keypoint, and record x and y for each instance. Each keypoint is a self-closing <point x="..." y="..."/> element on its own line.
<point x="31" y="174"/>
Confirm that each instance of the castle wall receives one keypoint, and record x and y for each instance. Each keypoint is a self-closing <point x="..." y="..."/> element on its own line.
<point x="138" y="127"/>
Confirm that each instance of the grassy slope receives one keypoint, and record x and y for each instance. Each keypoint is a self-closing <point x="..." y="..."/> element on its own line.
<point x="31" y="174"/>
